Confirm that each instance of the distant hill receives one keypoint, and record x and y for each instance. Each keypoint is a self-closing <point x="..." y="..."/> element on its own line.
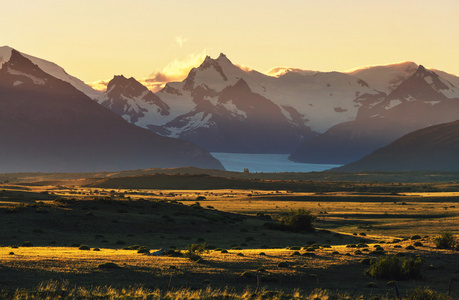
<point x="433" y="148"/>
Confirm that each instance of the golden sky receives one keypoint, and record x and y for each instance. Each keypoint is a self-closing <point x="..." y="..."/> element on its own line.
<point x="94" y="40"/>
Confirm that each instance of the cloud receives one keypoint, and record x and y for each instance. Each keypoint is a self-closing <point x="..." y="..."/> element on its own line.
<point x="180" y="40"/>
<point x="244" y="68"/>
<point x="176" y="70"/>
<point x="100" y="85"/>
<point x="280" y="71"/>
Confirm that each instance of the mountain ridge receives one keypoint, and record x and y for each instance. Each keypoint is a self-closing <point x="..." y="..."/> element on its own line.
<point x="48" y="125"/>
<point x="435" y="148"/>
<point x="418" y="102"/>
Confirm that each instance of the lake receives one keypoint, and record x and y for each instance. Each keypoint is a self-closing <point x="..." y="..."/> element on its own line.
<point x="267" y="163"/>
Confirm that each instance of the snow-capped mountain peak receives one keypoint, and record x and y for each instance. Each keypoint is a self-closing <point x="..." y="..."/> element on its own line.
<point x="131" y="100"/>
<point x="438" y="83"/>
<point x="385" y="78"/>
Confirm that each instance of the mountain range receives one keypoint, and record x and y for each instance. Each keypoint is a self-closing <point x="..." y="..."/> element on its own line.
<point x="325" y="117"/>
<point x="48" y="125"/>
<point x="423" y="99"/>
<point x="317" y="117"/>
<point x="225" y="108"/>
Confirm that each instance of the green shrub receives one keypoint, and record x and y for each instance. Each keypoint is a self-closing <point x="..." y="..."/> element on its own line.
<point x="378" y="251"/>
<point x="295" y="221"/>
<point x="194" y="251"/>
<point x="394" y="267"/>
<point x="283" y="264"/>
<point x="27" y="244"/>
<point x="418" y="244"/>
<point x="445" y="241"/>
<point x="108" y="265"/>
<point x="132" y="247"/>
<point x="84" y="247"/>
<point x="416" y="237"/>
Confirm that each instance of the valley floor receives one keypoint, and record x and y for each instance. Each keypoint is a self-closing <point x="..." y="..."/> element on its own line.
<point x="43" y="227"/>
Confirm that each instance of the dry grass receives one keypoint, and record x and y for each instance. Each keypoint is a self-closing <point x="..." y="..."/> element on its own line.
<point x="138" y="217"/>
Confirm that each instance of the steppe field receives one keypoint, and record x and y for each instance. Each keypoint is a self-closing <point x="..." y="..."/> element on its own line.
<point x="95" y="237"/>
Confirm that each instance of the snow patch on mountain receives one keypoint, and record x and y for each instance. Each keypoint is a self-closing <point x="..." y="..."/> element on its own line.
<point x="193" y="122"/>
<point x="36" y="80"/>
<point x="392" y="104"/>
<point x="231" y="107"/>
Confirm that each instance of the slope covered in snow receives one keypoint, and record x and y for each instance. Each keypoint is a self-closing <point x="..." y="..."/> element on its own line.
<point x="322" y="99"/>
<point x="52" y="69"/>
<point x="238" y="120"/>
<point x="422" y="100"/>
<point x="385" y="78"/>
<point x="131" y="100"/>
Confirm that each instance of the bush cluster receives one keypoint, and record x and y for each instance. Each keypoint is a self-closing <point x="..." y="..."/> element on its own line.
<point x="295" y="221"/>
<point x="445" y="241"/>
<point x="194" y="251"/>
<point x="395" y="267"/>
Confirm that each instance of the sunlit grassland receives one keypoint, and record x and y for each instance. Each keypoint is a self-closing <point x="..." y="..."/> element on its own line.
<point x="110" y="219"/>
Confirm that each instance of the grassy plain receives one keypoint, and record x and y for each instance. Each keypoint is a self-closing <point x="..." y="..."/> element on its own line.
<point x="57" y="216"/>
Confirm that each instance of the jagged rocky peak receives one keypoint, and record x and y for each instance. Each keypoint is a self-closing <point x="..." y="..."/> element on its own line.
<point x="222" y="58"/>
<point x="421" y="71"/>
<point x="24" y="71"/>
<point x="20" y="63"/>
<point x="427" y="85"/>
<point x="121" y="84"/>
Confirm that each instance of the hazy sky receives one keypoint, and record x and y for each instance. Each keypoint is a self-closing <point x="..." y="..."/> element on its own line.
<point x="100" y="38"/>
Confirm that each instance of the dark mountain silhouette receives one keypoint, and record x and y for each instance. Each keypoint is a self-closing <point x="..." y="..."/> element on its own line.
<point x="435" y="148"/>
<point x="48" y="125"/>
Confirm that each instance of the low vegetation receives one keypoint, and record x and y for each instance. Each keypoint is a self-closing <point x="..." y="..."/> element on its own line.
<point x="395" y="268"/>
<point x="65" y="291"/>
<point x="295" y="221"/>
<point x="224" y="246"/>
<point x="445" y="241"/>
